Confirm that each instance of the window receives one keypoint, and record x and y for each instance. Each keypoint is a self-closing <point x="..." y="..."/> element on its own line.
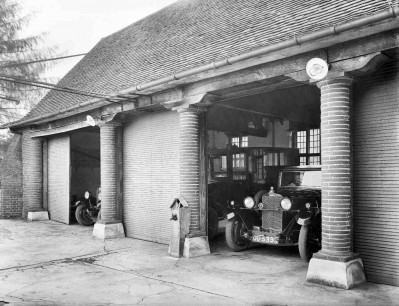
<point x="219" y="166"/>
<point x="244" y="141"/>
<point x="239" y="161"/>
<point x="235" y="141"/>
<point x="241" y="141"/>
<point x="259" y="168"/>
<point x="308" y="143"/>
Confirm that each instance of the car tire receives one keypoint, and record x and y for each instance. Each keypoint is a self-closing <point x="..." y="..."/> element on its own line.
<point x="303" y="243"/>
<point x="234" y="239"/>
<point x="213" y="224"/>
<point x="82" y="217"/>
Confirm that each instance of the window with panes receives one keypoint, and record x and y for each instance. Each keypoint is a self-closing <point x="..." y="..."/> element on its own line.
<point x="308" y="143"/>
<point x="239" y="159"/>
<point x="241" y="141"/>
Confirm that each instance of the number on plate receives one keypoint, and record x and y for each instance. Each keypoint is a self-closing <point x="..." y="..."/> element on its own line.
<point x="265" y="239"/>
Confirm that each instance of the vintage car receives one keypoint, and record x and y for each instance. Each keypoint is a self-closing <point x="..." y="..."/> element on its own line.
<point x="289" y="216"/>
<point x="236" y="172"/>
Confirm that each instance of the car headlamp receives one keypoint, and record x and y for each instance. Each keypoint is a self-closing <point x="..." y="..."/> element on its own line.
<point x="232" y="203"/>
<point x="249" y="202"/>
<point x="87" y="195"/>
<point x="286" y="204"/>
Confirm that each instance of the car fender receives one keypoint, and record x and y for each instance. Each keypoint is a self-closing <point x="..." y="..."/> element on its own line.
<point x="302" y="221"/>
<point x="304" y="217"/>
<point x="249" y="217"/>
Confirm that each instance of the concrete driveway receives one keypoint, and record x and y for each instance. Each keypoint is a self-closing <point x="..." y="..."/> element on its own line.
<point x="49" y="263"/>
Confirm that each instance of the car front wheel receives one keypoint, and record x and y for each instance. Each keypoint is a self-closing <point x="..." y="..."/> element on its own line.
<point x="82" y="216"/>
<point x="234" y="235"/>
<point x="307" y="242"/>
<point x="213" y="224"/>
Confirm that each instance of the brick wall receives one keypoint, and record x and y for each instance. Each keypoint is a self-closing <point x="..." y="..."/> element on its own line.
<point x="11" y="180"/>
<point x="108" y="139"/>
<point x="189" y="164"/>
<point x="336" y="168"/>
<point x="32" y="171"/>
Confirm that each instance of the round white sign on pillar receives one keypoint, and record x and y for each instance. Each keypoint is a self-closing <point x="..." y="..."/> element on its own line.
<point x="317" y="68"/>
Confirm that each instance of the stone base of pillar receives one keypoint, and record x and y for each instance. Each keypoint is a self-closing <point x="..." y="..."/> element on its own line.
<point x="108" y="231"/>
<point x="38" y="215"/>
<point x="196" y="246"/>
<point x="336" y="273"/>
<point x="176" y="247"/>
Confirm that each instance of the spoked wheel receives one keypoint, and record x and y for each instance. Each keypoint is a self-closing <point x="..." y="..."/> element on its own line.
<point x="308" y="243"/>
<point x="82" y="216"/>
<point x="234" y="235"/>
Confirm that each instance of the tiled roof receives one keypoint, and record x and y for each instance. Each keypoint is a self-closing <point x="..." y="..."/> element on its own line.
<point x="191" y="33"/>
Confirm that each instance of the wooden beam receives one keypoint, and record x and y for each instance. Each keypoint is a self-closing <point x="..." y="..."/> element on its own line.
<point x="357" y="65"/>
<point x="203" y="163"/>
<point x="254" y="74"/>
<point x="362" y="64"/>
<point x="255" y="88"/>
<point x="60" y="129"/>
<point x="364" y="46"/>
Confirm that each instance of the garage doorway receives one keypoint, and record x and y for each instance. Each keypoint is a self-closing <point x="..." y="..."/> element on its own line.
<point x="85" y="165"/>
<point x="71" y="166"/>
<point x="252" y="137"/>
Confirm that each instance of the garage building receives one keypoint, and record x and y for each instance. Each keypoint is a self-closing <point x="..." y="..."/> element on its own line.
<point x="202" y="74"/>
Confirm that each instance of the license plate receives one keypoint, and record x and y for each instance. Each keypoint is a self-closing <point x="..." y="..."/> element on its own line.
<point x="230" y="215"/>
<point x="265" y="239"/>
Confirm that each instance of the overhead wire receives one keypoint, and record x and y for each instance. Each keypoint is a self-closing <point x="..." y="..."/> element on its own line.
<point x="9" y="99"/>
<point x="41" y="60"/>
<point x="51" y="86"/>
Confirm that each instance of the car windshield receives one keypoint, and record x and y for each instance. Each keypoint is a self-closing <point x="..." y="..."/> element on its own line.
<point x="301" y="178"/>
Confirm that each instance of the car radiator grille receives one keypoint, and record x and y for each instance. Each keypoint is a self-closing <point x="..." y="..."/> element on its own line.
<point x="272" y="216"/>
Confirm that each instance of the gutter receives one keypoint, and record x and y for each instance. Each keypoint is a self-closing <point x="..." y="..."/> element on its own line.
<point x="393" y="12"/>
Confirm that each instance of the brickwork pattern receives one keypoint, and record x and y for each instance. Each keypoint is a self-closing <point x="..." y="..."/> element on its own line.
<point x="189" y="164"/>
<point x="108" y="138"/>
<point x="32" y="169"/>
<point x="11" y="180"/>
<point x="336" y="167"/>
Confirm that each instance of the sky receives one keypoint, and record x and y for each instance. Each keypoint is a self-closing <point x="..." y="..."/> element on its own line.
<point x="75" y="26"/>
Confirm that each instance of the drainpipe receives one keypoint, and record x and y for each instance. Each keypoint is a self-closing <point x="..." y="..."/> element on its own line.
<point x="297" y="40"/>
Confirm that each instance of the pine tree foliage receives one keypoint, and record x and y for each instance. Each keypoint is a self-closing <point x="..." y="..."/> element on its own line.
<point x="16" y="95"/>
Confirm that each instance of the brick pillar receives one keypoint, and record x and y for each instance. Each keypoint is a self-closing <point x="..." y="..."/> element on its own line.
<point x="196" y="243"/>
<point x="108" y="226"/>
<point x="336" y="264"/>
<point x="32" y="172"/>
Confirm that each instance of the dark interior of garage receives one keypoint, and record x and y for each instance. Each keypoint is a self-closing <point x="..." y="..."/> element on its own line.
<point x="85" y="163"/>
<point x="251" y="137"/>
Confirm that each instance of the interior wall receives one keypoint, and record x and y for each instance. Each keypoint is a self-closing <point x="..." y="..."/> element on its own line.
<point x="219" y="140"/>
<point x="85" y="162"/>
<point x="282" y="140"/>
<point x="85" y="178"/>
